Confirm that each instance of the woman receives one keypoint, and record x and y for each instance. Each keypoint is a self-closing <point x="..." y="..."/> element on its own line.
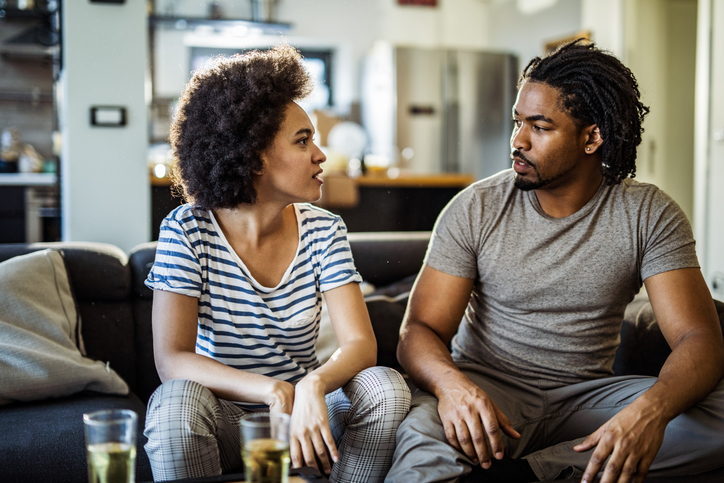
<point x="238" y="279"/>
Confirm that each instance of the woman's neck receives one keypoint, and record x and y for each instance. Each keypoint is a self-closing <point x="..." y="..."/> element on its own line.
<point x="255" y="224"/>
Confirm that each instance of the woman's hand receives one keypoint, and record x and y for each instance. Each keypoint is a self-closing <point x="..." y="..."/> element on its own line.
<point x="310" y="437"/>
<point x="281" y="397"/>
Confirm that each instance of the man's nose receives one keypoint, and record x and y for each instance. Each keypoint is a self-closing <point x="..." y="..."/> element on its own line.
<point x="519" y="139"/>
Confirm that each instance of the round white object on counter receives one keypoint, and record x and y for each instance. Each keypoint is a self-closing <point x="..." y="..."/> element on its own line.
<point x="349" y="138"/>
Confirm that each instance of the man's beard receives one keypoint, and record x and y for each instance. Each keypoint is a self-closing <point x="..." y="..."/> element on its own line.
<point x="525" y="184"/>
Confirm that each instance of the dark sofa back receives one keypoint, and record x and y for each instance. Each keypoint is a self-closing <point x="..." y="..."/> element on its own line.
<point x="381" y="258"/>
<point x="115" y="305"/>
<point x="140" y="262"/>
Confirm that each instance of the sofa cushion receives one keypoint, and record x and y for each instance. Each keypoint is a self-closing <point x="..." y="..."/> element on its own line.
<point x="643" y="349"/>
<point x="39" y="335"/>
<point x="386" y="307"/>
<point x="45" y="440"/>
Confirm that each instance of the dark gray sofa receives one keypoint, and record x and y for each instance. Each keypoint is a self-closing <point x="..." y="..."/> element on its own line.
<point x="44" y="441"/>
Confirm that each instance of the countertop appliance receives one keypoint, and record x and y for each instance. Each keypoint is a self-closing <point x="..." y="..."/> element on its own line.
<point x="439" y="110"/>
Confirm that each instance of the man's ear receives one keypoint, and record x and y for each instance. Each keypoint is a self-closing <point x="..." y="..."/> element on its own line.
<point x="593" y="139"/>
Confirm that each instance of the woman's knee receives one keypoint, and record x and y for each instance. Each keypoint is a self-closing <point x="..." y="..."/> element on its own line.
<point x="383" y="385"/>
<point x="178" y="400"/>
<point x="179" y="391"/>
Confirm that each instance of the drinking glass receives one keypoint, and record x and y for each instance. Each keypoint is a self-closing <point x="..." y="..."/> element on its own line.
<point x="110" y="437"/>
<point x="265" y="447"/>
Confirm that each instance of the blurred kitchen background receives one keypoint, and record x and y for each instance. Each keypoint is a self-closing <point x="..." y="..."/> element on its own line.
<point x="412" y="102"/>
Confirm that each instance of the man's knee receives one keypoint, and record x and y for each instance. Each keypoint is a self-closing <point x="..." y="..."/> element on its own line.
<point x="422" y="420"/>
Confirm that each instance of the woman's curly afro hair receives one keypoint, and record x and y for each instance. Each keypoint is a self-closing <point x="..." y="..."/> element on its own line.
<point x="596" y="88"/>
<point x="227" y="117"/>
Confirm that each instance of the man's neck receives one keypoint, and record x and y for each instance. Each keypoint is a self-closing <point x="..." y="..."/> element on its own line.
<point x="563" y="201"/>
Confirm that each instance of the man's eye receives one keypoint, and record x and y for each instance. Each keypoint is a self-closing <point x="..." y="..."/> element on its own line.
<point x="516" y="122"/>
<point x="303" y="140"/>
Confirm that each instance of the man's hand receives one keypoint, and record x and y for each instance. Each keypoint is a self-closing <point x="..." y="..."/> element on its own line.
<point x="310" y="437"/>
<point x="468" y="414"/>
<point x="631" y="439"/>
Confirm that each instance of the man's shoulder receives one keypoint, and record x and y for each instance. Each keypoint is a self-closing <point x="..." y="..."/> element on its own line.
<point x="502" y="181"/>
<point x="491" y="189"/>
<point x="637" y="194"/>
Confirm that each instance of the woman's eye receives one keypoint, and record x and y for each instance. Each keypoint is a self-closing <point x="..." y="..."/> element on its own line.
<point x="303" y="141"/>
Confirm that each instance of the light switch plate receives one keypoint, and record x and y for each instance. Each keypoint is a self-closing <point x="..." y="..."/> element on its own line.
<point x="108" y="116"/>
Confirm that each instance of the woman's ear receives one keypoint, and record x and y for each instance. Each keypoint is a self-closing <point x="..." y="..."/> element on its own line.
<point x="593" y="139"/>
<point x="260" y="171"/>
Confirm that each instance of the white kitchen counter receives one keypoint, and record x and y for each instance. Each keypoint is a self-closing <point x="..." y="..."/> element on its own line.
<point x="28" y="179"/>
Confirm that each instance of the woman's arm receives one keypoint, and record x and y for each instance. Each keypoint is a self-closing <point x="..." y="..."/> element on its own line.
<point x="353" y="330"/>
<point x="311" y="437"/>
<point x="175" y="319"/>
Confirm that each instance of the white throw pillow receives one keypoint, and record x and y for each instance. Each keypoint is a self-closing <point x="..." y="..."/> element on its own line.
<point x="327" y="340"/>
<point x="40" y="335"/>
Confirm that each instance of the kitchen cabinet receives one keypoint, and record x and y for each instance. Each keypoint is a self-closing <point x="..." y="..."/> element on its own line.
<point x="28" y="208"/>
<point x="379" y="202"/>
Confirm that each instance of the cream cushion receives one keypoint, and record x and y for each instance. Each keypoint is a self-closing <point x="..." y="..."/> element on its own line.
<point x="40" y="334"/>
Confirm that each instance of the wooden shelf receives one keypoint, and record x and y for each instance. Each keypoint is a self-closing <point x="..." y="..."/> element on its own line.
<point x="182" y="23"/>
<point x="439" y="180"/>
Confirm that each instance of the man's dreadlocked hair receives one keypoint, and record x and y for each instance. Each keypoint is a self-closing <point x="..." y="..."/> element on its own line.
<point x="596" y="88"/>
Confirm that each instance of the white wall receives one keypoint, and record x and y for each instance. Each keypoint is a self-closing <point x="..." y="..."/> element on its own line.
<point x="352" y="26"/>
<point x="660" y="49"/>
<point x="525" y="34"/>
<point x="105" y="189"/>
<point x="710" y="144"/>
<point x="605" y="21"/>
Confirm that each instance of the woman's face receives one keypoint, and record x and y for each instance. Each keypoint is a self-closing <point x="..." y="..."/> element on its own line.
<point x="292" y="163"/>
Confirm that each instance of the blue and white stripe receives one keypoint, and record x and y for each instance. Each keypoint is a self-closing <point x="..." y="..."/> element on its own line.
<point x="268" y="331"/>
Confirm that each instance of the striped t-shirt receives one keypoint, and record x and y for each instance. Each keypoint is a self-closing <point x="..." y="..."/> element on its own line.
<point x="266" y="330"/>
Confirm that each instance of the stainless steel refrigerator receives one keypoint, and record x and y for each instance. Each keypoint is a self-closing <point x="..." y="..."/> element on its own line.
<point x="439" y="110"/>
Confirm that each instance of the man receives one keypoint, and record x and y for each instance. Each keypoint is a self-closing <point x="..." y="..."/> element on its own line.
<point x="530" y="271"/>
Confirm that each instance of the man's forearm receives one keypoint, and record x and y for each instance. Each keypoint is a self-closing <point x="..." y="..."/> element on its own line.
<point x="427" y="360"/>
<point x="690" y="373"/>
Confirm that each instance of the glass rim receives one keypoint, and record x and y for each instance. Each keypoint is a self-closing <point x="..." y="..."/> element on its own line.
<point x="247" y="418"/>
<point x="119" y="416"/>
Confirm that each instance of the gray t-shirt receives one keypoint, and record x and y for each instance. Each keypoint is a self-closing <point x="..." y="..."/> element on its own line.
<point x="550" y="293"/>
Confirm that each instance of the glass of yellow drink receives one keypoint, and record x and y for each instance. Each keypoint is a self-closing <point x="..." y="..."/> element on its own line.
<point x="265" y="447"/>
<point x="110" y="437"/>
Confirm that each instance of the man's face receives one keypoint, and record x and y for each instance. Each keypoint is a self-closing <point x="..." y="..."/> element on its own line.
<point x="546" y="145"/>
